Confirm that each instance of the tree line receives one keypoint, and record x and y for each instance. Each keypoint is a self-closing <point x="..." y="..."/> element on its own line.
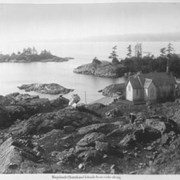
<point x="28" y="54"/>
<point x="148" y="62"/>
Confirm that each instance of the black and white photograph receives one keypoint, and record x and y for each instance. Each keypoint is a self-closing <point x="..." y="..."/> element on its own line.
<point x="89" y="89"/>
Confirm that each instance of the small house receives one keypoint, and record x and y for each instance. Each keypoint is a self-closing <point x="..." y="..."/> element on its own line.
<point x="156" y="86"/>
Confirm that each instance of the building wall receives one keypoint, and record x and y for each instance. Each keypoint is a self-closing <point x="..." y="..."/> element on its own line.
<point x="129" y="92"/>
<point x="166" y="91"/>
<point x="138" y="95"/>
<point x="150" y="93"/>
<point x="134" y="94"/>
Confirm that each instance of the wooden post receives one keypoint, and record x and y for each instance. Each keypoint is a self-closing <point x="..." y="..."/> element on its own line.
<point x="85" y="97"/>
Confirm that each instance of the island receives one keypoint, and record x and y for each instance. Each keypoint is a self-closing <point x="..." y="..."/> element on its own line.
<point x="31" y="55"/>
<point x="52" y="88"/>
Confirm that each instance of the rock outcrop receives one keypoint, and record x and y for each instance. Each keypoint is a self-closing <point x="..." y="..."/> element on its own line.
<point x="89" y="138"/>
<point x="21" y="106"/>
<point x="51" y="88"/>
<point x="101" y="69"/>
<point x="114" y="90"/>
<point x="45" y="122"/>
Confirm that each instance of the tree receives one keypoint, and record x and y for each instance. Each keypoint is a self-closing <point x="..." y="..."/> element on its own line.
<point x="45" y="52"/>
<point x="96" y="61"/>
<point x="138" y="50"/>
<point x="34" y="51"/>
<point x="170" y="49"/>
<point x="13" y="54"/>
<point x="113" y="54"/>
<point x="163" y="52"/>
<point x="129" y="48"/>
<point x="27" y="51"/>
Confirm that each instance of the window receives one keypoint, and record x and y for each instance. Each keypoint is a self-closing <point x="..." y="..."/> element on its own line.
<point x="152" y="92"/>
<point x="136" y="92"/>
<point x="129" y="88"/>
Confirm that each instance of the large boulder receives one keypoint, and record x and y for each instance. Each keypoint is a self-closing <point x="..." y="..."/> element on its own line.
<point x="34" y="104"/>
<point x="16" y="112"/>
<point x="59" y="103"/>
<point x="10" y="158"/>
<point x="16" y="159"/>
<point x="156" y="124"/>
<point x="17" y="106"/>
<point x="89" y="139"/>
<point x="114" y="90"/>
<point x="162" y="124"/>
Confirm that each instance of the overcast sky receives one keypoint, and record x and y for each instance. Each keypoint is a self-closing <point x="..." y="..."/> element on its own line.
<point x="65" y="21"/>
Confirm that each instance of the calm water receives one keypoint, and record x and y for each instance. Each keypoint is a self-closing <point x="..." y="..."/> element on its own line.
<point x="15" y="74"/>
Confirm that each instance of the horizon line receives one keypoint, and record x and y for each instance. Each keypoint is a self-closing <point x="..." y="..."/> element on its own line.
<point x="73" y="2"/>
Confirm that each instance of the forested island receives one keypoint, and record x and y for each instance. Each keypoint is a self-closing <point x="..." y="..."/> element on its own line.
<point x="133" y="63"/>
<point x="32" y="55"/>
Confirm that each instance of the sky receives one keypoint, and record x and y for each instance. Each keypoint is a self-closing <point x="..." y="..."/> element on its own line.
<point x="43" y="22"/>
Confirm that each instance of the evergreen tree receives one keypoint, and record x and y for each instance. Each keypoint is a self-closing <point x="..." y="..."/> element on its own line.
<point x="163" y="52"/>
<point x="170" y="49"/>
<point x="129" y="48"/>
<point x="34" y="51"/>
<point x="138" y="50"/>
<point x="113" y="54"/>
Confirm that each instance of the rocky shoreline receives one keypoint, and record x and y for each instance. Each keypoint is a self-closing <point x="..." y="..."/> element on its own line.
<point x="42" y="136"/>
<point x="114" y="90"/>
<point x="101" y="69"/>
<point x="54" y="59"/>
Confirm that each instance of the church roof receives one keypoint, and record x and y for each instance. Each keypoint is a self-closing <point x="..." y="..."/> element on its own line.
<point x="139" y="80"/>
<point x="147" y="82"/>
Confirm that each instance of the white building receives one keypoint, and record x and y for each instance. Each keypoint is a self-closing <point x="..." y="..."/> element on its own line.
<point x="151" y="87"/>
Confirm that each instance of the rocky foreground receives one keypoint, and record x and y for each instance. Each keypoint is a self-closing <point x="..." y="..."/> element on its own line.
<point x="42" y="136"/>
<point x="51" y="88"/>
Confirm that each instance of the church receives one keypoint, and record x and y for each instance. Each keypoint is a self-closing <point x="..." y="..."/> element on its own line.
<point x="156" y="86"/>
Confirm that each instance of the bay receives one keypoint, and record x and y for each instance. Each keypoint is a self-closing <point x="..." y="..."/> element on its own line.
<point x="15" y="74"/>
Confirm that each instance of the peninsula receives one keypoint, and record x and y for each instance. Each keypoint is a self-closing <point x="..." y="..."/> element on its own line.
<point x="133" y="63"/>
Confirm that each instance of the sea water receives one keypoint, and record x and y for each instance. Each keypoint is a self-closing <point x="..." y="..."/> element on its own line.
<point x="13" y="75"/>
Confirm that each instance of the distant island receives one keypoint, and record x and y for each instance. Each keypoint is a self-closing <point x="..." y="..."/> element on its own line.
<point x="31" y="55"/>
<point x="133" y="63"/>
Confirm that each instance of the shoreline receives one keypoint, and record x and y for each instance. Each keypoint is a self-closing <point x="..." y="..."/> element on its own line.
<point x="104" y="100"/>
